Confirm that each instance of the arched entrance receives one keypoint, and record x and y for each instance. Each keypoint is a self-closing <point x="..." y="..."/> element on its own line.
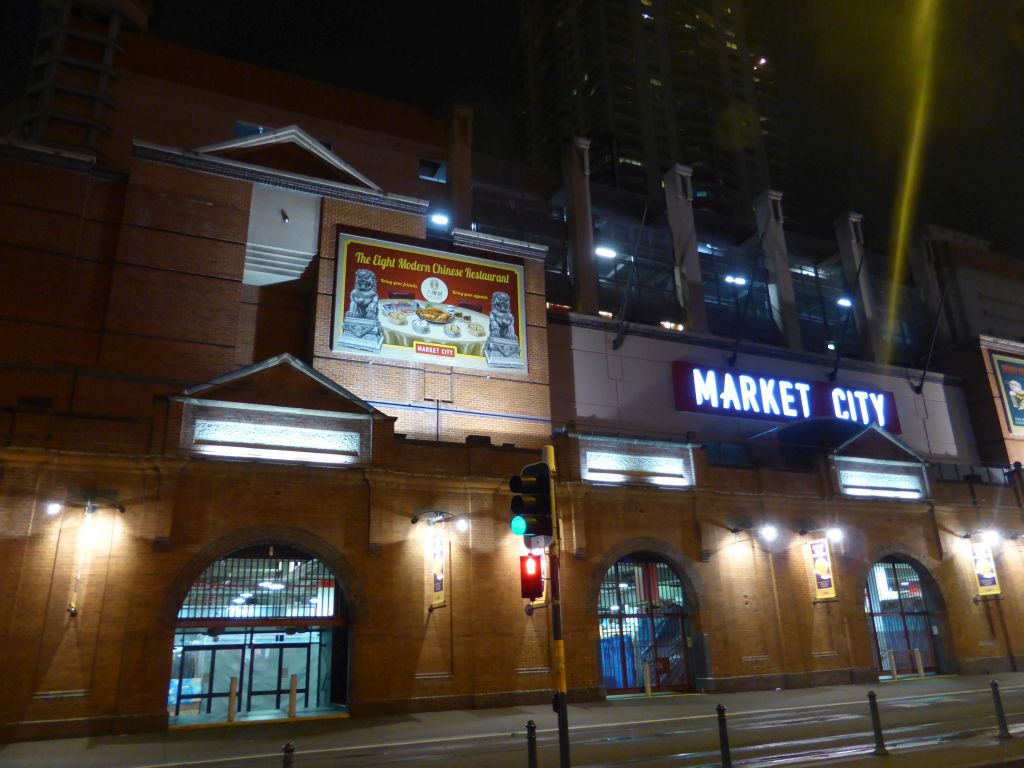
<point x="644" y="620"/>
<point x="253" y="621"/>
<point x="901" y="617"/>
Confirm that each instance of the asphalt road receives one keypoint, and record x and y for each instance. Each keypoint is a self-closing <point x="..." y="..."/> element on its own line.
<point x="938" y="723"/>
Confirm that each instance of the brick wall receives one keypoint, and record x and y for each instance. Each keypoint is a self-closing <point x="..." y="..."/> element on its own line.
<point x="432" y="401"/>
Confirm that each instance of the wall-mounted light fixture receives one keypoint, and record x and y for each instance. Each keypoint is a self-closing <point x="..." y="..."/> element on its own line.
<point x="990" y="536"/>
<point x="738" y="526"/>
<point x="433" y="516"/>
<point x="833" y="533"/>
<point x="89" y="503"/>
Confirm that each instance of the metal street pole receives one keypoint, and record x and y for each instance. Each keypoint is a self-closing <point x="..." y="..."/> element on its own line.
<point x="558" y="649"/>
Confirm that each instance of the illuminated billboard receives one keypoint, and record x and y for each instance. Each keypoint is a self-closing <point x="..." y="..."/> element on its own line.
<point x="774" y="397"/>
<point x="1009" y="372"/>
<point x="403" y="302"/>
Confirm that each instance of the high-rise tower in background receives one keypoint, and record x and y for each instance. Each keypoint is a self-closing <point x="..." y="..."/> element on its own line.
<point x="653" y="83"/>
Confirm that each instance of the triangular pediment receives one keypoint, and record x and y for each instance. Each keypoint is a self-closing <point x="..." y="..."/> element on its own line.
<point x="873" y="442"/>
<point x="281" y="382"/>
<point x="291" y="150"/>
<point x="794" y="445"/>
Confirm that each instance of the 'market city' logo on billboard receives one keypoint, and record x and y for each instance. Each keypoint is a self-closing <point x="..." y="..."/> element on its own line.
<point x="728" y="392"/>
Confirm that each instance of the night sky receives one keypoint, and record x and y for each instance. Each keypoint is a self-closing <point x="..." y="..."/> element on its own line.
<point x="842" y="69"/>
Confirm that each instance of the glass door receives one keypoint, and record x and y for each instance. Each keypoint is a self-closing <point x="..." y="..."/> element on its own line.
<point x="272" y="663"/>
<point x="642" y="624"/>
<point x="898" y="618"/>
<point x="203" y="678"/>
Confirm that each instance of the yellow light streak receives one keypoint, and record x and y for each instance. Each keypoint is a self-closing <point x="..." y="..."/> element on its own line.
<point x="921" y="51"/>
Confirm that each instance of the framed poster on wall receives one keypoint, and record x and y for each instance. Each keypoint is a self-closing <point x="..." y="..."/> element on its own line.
<point x="1009" y="375"/>
<point x="403" y="302"/>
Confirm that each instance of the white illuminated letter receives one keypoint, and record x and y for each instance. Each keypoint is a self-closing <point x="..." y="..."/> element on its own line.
<point x="862" y="401"/>
<point x="748" y="391"/>
<point x="878" y="403"/>
<point x="729" y="393"/>
<point x="768" y="396"/>
<point x="705" y="388"/>
<point x="787" y="398"/>
<point x="837" y="404"/>
<point x="805" y="401"/>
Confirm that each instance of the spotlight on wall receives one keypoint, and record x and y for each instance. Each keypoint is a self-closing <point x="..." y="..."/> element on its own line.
<point x="90" y="503"/>
<point x="54" y="508"/>
<point x="835" y="535"/>
<point x="434" y="516"/>
<point x="769" y="532"/>
<point x="990" y="536"/>
<point x="284" y="216"/>
<point x="439" y="219"/>
<point x="605" y="252"/>
<point x="843" y="301"/>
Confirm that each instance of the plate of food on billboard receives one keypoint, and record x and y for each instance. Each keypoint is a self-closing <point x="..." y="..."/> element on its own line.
<point x="403" y="302"/>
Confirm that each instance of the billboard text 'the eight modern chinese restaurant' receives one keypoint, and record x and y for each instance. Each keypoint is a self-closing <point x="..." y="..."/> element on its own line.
<point x="402" y="302"/>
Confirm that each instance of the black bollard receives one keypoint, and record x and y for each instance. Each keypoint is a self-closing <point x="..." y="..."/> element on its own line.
<point x="1004" y="731"/>
<point x="287" y="758"/>
<point x="876" y="725"/>
<point x="723" y="737"/>
<point x="531" y="744"/>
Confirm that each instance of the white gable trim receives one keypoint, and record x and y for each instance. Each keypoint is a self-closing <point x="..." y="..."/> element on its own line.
<point x="295" y="135"/>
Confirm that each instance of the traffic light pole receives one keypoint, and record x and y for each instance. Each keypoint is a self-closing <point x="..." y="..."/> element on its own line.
<point x="558" y="650"/>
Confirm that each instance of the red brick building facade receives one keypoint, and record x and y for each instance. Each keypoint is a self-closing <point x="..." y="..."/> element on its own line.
<point x="172" y="397"/>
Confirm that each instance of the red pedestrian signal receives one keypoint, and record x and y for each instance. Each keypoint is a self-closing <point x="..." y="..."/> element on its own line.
<point x="531" y="578"/>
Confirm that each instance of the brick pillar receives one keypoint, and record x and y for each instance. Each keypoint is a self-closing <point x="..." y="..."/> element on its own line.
<point x="576" y="173"/>
<point x="689" y="286"/>
<point x="768" y="209"/>
<point x="850" y="238"/>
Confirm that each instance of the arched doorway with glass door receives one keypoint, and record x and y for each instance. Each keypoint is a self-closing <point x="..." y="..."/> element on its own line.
<point x="261" y="622"/>
<point x="645" y="627"/>
<point x="902" y="606"/>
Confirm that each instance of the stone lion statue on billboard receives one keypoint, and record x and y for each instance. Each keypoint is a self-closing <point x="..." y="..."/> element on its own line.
<point x="363" y="298"/>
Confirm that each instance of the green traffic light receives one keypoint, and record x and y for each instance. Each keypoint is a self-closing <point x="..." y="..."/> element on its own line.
<point x="518" y="525"/>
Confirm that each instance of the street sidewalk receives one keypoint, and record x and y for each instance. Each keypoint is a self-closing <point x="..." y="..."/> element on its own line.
<point x="230" y="745"/>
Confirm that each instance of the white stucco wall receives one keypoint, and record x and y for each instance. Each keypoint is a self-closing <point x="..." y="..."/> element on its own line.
<point x="630" y="390"/>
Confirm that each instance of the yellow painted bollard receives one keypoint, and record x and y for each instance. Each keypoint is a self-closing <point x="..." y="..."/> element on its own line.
<point x="232" y="699"/>
<point x="293" y="693"/>
<point x="647" y="679"/>
<point x="919" y="661"/>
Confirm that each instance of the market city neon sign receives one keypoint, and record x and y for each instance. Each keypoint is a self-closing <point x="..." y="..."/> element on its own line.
<point x="728" y="392"/>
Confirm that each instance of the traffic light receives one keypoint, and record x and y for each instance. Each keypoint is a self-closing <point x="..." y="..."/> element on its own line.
<point x="532" y="505"/>
<point x="531" y="579"/>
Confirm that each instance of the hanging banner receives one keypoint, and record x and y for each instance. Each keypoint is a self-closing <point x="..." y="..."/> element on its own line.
<point x="403" y="302"/>
<point x="1009" y="372"/>
<point x="821" y="563"/>
<point x="985" y="569"/>
<point x="440" y="542"/>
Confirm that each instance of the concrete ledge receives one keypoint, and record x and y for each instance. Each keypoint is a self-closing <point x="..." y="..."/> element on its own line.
<point x="989" y="665"/>
<point x="469" y="701"/>
<point x="104" y="725"/>
<point x="817" y="678"/>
